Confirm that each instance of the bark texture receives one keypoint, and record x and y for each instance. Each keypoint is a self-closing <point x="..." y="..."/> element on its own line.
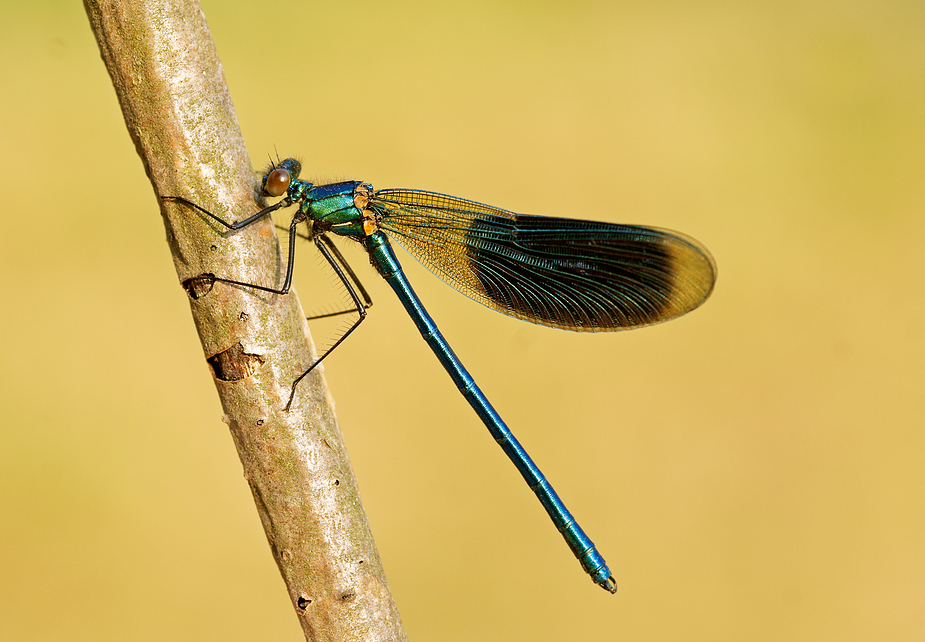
<point x="171" y="87"/>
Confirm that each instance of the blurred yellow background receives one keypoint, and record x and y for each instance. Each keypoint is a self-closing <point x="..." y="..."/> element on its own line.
<point x="753" y="471"/>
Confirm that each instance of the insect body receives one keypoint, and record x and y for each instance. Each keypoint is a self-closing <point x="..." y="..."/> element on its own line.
<point x="564" y="273"/>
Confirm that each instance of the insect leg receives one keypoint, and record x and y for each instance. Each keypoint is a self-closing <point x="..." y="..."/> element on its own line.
<point x="195" y="284"/>
<point x="333" y="256"/>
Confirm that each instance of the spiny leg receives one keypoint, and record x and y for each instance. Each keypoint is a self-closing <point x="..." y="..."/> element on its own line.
<point x="286" y="202"/>
<point x="191" y="283"/>
<point x="333" y="256"/>
<point x="367" y="300"/>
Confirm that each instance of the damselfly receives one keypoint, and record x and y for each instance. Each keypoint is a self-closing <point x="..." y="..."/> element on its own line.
<point x="564" y="273"/>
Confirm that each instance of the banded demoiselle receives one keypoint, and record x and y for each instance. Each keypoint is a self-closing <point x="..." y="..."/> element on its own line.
<point x="559" y="272"/>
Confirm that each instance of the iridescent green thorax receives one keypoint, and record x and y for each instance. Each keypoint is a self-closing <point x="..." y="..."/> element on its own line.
<point x="338" y="207"/>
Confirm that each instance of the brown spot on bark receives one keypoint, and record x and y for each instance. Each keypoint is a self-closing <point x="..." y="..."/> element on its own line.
<point x="234" y="364"/>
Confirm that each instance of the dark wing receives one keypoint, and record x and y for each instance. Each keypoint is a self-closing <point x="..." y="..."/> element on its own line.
<point x="560" y="272"/>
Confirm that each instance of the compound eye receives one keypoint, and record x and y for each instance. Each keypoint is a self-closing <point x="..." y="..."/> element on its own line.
<point x="277" y="182"/>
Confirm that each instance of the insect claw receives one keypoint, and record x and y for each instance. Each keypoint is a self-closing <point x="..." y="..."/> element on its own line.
<point x="199" y="286"/>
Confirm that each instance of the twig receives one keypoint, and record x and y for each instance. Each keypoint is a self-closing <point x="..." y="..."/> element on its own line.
<point x="171" y="88"/>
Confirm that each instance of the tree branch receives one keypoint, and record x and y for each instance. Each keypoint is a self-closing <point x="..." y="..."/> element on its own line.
<point x="171" y="88"/>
